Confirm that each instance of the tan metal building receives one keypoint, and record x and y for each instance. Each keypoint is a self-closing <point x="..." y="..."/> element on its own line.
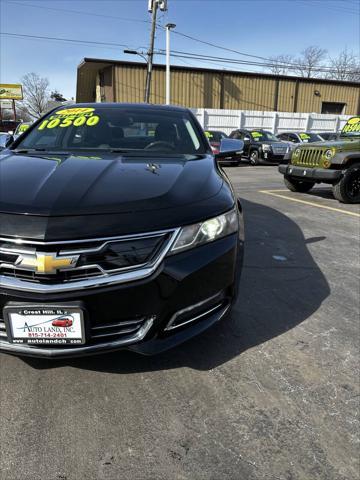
<point x="119" y="81"/>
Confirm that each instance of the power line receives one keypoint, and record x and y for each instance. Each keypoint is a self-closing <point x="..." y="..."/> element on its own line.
<point x="59" y="39"/>
<point x="177" y="32"/>
<point x="175" y="53"/>
<point x="243" y="62"/>
<point x="334" y="8"/>
<point x="79" y="12"/>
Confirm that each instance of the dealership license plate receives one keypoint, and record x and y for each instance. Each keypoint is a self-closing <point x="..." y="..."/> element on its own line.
<point x="45" y="325"/>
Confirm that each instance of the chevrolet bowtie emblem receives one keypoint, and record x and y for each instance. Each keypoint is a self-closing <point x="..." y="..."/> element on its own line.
<point x="46" y="263"/>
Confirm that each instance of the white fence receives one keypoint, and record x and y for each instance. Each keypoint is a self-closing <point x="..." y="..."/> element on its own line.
<point x="276" y="122"/>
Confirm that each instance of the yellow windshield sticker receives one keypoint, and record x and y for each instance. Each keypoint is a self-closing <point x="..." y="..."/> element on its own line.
<point x="209" y="135"/>
<point x="76" y="117"/>
<point x="23" y="128"/>
<point x="256" y="134"/>
<point x="304" y="136"/>
<point x="352" y="125"/>
<point x="75" y="111"/>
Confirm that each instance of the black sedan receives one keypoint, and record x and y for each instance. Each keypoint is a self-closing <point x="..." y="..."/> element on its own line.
<point x="117" y="230"/>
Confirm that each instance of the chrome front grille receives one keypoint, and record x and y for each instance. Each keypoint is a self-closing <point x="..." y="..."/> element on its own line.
<point x="34" y="266"/>
<point x="279" y="150"/>
<point x="310" y="157"/>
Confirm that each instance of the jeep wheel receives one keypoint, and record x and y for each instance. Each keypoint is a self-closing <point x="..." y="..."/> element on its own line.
<point x="254" y="157"/>
<point x="347" y="190"/>
<point x="298" y="185"/>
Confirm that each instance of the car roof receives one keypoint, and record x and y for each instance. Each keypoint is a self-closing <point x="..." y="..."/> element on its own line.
<point x="257" y="130"/>
<point x="298" y="133"/>
<point x="120" y="106"/>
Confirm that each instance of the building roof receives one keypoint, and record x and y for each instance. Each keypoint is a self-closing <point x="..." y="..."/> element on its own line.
<point x="94" y="64"/>
<point x="133" y="106"/>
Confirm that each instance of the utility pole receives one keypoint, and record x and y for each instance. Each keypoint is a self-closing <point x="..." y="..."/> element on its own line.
<point x="154" y="7"/>
<point x="168" y="27"/>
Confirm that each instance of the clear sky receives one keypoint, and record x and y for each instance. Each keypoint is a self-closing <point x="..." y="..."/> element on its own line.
<point x="257" y="27"/>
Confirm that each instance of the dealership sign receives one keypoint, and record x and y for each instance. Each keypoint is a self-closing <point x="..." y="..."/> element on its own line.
<point x="11" y="91"/>
<point x="6" y="104"/>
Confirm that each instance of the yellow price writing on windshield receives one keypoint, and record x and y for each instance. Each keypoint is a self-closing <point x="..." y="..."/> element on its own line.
<point x="75" y="111"/>
<point x="353" y="125"/>
<point x="76" y="121"/>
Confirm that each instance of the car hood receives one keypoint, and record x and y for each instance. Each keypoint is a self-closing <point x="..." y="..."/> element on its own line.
<point x="279" y="143"/>
<point x="60" y="185"/>
<point x="343" y="143"/>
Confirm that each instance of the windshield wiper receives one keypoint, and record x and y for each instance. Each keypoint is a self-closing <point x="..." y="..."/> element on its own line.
<point x="42" y="150"/>
<point x="122" y="150"/>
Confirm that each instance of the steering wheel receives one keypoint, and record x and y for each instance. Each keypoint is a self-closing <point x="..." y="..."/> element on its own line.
<point x="160" y="145"/>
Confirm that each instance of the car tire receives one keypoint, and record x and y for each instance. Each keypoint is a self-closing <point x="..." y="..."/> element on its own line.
<point x="347" y="190"/>
<point x="254" y="157"/>
<point x="298" y="185"/>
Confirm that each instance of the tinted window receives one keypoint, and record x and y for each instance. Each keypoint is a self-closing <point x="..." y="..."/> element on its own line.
<point x="215" y="136"/>
<point x="284" y="136"/>
<point x="107" y="128"/>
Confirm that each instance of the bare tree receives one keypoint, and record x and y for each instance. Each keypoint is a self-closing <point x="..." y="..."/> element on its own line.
<point x="310" y="61"/>
<point x="36" y="94"/>
<point x="281" y="64"/>
<point x="346" y="66"/>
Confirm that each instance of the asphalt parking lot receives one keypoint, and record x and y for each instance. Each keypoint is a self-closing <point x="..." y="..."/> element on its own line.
<point x="270" y="393"/>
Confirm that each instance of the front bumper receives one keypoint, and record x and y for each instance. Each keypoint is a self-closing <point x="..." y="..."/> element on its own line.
<point x="196" y="287"/>
<point x="270" y="158"/>
<point x="311" y="174"/>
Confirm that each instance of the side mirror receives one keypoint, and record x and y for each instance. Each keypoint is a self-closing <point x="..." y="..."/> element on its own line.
<point x="230" y="148"/>
<point x="247" y="139"/>
<point x="9" y="141"/>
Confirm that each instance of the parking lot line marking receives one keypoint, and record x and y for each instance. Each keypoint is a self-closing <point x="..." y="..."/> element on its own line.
<point x="312" y="204"/>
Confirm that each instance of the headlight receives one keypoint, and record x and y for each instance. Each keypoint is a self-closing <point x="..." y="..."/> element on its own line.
<point x="296" y="153"/>
<point x="329" y="154"/>
<point x="194" y="235"/>
<point x="266" y="148"/>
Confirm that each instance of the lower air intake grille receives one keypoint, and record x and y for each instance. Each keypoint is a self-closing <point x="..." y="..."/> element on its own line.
<point x="3" y="334"/>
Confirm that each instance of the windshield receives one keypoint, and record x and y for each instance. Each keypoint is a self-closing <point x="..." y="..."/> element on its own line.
<point x="310" y="137"/>
<point x="115" y="129"/>
<point x="264" y="136"/>
<point x="352" y="128"/>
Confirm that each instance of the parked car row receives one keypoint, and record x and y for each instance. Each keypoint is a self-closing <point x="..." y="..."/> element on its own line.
<point x="336" y="163"/>
<point x="305" y="158"/>
<point x="263" y="147"/>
